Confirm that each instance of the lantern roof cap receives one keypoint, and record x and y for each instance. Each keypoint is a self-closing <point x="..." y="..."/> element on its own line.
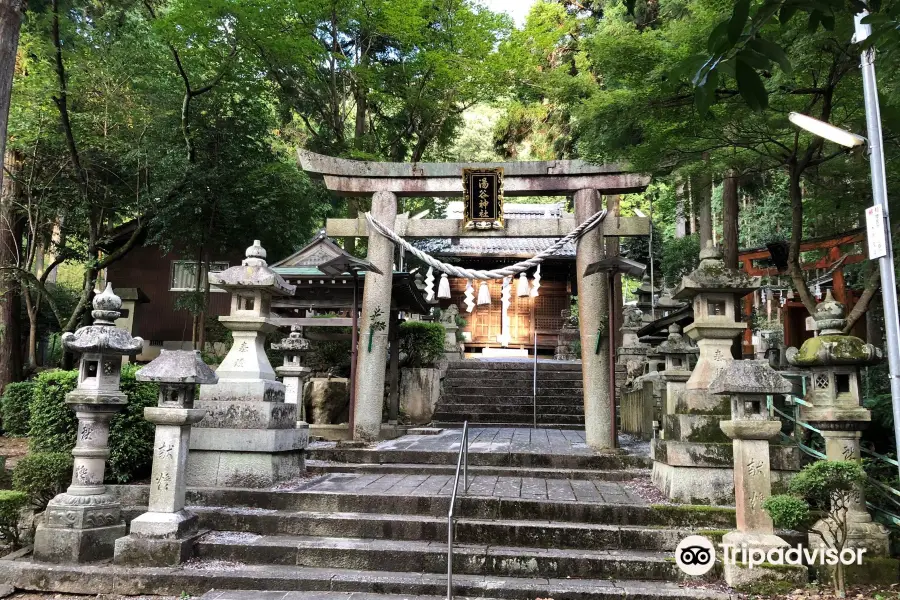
<point x="177" y="366"/>
<point x="293" y="342"/>
<point x="751" y="377"/>
<point x="103" y="336"/>
<point x="252" y="274"/>
<point x="711" y="276"/>
<point x="675" y="343"/>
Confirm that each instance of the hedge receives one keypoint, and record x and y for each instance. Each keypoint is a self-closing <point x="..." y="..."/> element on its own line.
<point x="14" y="407"/>
<point x="53" y="423"/>
<point x="11" y="503"/>
<point x="42" y="476"/>
<point x="422" y="342"/>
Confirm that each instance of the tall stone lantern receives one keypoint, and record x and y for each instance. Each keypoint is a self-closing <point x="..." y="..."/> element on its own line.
<point x="82" y="524"/>
<point x="645" y="293"/>
<point x="747" y="383"/>
<point x="632" y="354"/>
<point x="692" y="463"/>
<point x="679" y="354"/>
<point x="164" y="535"/>
<point x="249" y="437"/>
<point x="833" y="389"/>
<point x="292" y="373"/>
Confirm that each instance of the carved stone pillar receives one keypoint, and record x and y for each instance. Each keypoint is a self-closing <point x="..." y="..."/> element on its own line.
<point x="293" y="374"/>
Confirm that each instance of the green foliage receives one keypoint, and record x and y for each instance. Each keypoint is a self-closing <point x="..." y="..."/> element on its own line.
<point x="11" y="503"/>
<point x="788" y="512"/>
<point x="820" y="481"/>
<point x="53" y="423"/>
<point x="43" y="475"/>
<point x="422" y="342"/>
<point x="14" y="407"/>
<point x="680" y="256"/>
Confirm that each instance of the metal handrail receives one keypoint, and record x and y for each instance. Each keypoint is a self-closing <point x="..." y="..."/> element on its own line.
<point x="461" y="460"/>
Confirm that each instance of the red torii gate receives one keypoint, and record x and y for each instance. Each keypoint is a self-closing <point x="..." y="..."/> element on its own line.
<point x="849" y="245"/>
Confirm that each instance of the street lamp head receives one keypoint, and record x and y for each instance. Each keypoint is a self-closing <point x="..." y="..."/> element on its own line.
<point x="826" y="130"/>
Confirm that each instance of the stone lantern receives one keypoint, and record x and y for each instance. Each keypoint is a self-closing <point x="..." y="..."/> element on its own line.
<point x="678" y="354"/>
<point x="747" y="383"/>
<point x="292" y="373"/>
<point x="249" y="437"/>
<point x="645" y="293"/>
<point x="833" y="389"/>
<point x="692" y="463"/>
<point x="82" y="524"/>
<point x="164" y="535"/>
<point x="667" y="304"/>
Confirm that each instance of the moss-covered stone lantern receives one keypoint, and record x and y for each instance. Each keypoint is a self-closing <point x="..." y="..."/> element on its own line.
<point x="693" y="460"/>
<point x="833" y="360"/>
<point x="679" y="355"/>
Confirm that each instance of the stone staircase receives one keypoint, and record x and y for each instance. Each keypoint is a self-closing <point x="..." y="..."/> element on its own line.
<point x="366" y="525"/>
<point x="500" y="393"/>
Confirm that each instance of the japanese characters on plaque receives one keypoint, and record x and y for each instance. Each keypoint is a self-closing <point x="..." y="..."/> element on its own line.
<point x="483" y="198"/>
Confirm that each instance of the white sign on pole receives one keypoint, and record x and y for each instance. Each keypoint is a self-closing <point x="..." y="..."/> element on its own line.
<point x="875" y="232"/>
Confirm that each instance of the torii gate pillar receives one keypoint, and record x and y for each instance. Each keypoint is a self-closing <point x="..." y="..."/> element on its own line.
<point x="593" y="307"/>
<point x="376" y="306"/>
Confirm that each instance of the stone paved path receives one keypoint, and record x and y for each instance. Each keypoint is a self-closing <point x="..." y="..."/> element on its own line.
<point x="500" y="440"/>
<point x="531" y="488"/>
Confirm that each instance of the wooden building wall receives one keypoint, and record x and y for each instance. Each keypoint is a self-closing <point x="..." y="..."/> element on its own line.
<point x="150" y="270"/>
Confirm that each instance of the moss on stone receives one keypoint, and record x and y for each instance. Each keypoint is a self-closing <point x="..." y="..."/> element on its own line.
<point x="842" y="349"/>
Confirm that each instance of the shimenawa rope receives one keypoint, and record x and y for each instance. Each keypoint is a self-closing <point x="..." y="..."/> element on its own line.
<point x="515" y="269"/>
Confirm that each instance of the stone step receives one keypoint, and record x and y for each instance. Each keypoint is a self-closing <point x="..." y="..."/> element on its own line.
<point x="261" y="595"/>
<point x="482" y="459"/>
<point x="514" y="365"/>
<point x="422" y="528"/>
<point x="481" y="418"/>
<point x="454" y="397"/>
<point x="431" y="557"/>
<point x="468" y="507"/>
<point x="453" y="422"/>
<point x="518" y="388"/>
<point x="318" y="466"/>
<point x="505" y="408"/>
<point x="199" y="577"/>
<point x="501" y="377"/>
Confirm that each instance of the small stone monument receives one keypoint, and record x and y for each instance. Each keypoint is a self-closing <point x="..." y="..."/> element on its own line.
<point x="292" y="373"/>
<point x="249" y="437"/>
<point x="833" y="361"/>
<point x="164" y="535"/>
<point x="748" y="382"/>
<point x="693" y="460"/>
<point x="667" y="305"/>
<point x="451" y="344"/>
<point x="82" y="524"/>
<point x="678" y="354"/>
<point x="567" y="336"/>
<point x="632" y="354"/>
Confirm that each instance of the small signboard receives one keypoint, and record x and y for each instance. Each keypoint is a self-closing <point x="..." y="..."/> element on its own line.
<point x="875" y="232"/>
<point x="483" y="198"/>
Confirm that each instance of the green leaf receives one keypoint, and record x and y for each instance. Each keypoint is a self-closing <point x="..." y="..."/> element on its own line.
<point x="828" y="22"/>
<point x="773" y="51"/>
<point x="815" y="17"/>
<point x="718" y="38"/>
<point x="787" y="11"/>
<point x="753" y="58"/>
<point x="705" y="95"/>
<point x="751" y="86"/>
<point x="726" y="67"/>
<point x="738" y="20"/>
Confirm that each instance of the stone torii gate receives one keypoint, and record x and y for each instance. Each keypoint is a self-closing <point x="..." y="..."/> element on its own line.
<point x="385" y="182"/>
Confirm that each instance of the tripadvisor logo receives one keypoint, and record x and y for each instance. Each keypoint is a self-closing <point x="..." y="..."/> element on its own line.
<point x="696" y="555"/>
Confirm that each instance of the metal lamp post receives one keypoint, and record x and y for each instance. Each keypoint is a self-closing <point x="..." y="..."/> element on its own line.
<point x="879" y="194"/>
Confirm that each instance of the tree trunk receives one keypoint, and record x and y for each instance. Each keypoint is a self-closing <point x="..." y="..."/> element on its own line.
<point x="11" y="12"/>
<point x="794" y="268"/>
<point x="730" y="241"/>
<point x="701" y="190"/>
<point x="11" y="229"/>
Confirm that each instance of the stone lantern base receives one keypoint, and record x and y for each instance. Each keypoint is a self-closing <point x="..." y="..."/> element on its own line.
<point x="158" y="540"/>
<point x="742" y="577"/>
<point x="78" y="529"/>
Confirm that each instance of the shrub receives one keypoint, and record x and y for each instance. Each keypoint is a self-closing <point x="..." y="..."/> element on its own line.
<point x="680" y="256"/>
<point x="14" y="407"/>
<point x="42" y="476"/>
<point x="422" y="342"/>
<point x="53" y="423"/>
<point x="11" y="503"/>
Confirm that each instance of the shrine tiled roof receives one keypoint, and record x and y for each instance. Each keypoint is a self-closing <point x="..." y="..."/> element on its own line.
<point x="500" y="247"/>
